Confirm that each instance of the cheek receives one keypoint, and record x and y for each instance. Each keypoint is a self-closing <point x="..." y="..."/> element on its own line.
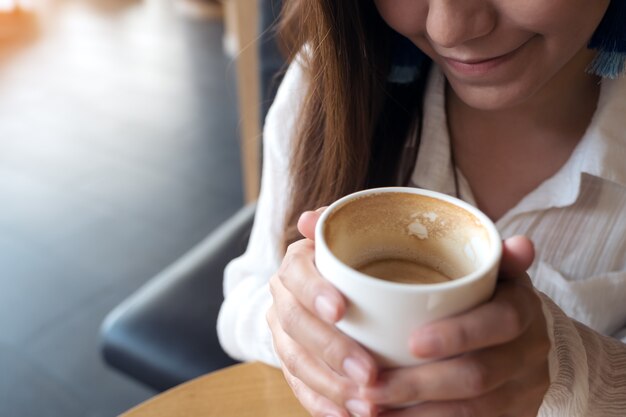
<point x="407" y="17"/>
<point x="564" y="19"/>
<point x="565" y="27"/>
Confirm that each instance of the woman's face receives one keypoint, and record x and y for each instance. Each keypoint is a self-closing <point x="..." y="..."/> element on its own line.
<point x="498" y="53"/>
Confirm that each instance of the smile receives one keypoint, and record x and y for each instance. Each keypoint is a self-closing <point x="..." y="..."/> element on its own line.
<point x="480" y="66"/>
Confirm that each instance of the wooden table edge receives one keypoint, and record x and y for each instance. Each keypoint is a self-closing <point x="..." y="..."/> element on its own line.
<point x="247" y="389"/>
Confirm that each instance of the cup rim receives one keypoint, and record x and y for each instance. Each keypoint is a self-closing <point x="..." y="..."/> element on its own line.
<point x="491" y="262"/>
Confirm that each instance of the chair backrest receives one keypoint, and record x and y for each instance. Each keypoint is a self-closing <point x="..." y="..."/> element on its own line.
<point x="164" y="334"/>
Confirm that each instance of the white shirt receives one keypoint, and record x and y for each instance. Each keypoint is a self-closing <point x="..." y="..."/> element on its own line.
<point x="576" y="219"/>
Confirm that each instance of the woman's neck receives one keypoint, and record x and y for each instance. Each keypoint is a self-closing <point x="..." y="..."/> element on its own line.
<point x="505" y="154"/>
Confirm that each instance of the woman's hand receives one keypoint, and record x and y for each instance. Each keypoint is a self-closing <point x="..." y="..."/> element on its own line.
<point x="490" y="361"/>
<point x="324" y="368"/>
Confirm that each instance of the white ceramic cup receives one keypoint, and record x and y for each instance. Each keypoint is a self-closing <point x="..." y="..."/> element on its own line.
<point x="453" y="237"/>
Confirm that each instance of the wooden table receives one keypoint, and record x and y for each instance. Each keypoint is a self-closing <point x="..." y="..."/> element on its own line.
<point x="253" y="389"/>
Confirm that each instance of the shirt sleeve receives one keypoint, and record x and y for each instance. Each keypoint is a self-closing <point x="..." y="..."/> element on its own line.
<point x="241" y="326"/>
<point x="587" y="369"/>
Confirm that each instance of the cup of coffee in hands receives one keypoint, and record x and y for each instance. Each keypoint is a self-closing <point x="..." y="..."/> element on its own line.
<point x="403" y="257"/>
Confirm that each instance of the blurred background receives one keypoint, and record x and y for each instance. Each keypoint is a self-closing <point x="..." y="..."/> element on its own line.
<point x="120" y="148"/>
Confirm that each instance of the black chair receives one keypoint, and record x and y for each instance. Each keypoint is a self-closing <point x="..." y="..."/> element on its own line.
<point x="164" y="334"/>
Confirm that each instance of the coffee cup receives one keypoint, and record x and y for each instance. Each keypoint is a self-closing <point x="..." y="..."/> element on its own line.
<point x="403" y="257"/>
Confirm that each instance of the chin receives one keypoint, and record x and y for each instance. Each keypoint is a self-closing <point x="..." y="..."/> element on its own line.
<point x="492" y="98"/>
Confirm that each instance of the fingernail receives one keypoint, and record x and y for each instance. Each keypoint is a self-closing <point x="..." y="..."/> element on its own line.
<point x="358" y="407"/>
<point x="356" y="369"/>
<point x="325" y="308"/>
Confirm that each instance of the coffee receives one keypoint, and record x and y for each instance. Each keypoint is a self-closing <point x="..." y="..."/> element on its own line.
<point x="404" y="238"/>
<point x="403" y="271"/>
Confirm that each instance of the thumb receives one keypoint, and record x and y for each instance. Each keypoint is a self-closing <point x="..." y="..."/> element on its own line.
<point x="518" y="254"/>
<point x="308" y="221"/>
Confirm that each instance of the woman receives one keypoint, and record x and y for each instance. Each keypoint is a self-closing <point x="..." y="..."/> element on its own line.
<point x="497" y="106"/>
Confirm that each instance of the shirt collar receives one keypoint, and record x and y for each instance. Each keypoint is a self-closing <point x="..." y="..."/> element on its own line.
<point x="603" y="150"/>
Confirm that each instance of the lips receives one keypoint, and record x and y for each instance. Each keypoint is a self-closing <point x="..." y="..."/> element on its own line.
<point x="473" y="61"/>
<point x="480" y="66"/>
<point x="475" y="66"/>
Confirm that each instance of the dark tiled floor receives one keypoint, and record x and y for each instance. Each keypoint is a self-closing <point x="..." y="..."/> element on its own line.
<point x="118" y="152"/>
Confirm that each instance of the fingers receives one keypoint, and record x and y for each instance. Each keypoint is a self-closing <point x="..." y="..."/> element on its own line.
<point x="320" y="390"/>
<point x="499" y="343"/>
<point x="340" y="353"/>
<point x="308" y="221"/>
<point x="498" y="321"/>
<point x="300" y="276"/>
<point x="516" y="398"/>
<point x="518" y="254"/>
<point x="324" y="365"/>
<point x="462" y="377"/>
<point x="314" y="403"/>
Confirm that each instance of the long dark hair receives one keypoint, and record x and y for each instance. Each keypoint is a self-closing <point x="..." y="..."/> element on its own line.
<point x="353" y="124"/>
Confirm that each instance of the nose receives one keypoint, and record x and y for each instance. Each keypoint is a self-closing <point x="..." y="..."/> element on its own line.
<point x="453" y="22"/>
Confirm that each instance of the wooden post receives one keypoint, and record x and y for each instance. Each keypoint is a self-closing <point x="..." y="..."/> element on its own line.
<point x="241" y="19"/>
